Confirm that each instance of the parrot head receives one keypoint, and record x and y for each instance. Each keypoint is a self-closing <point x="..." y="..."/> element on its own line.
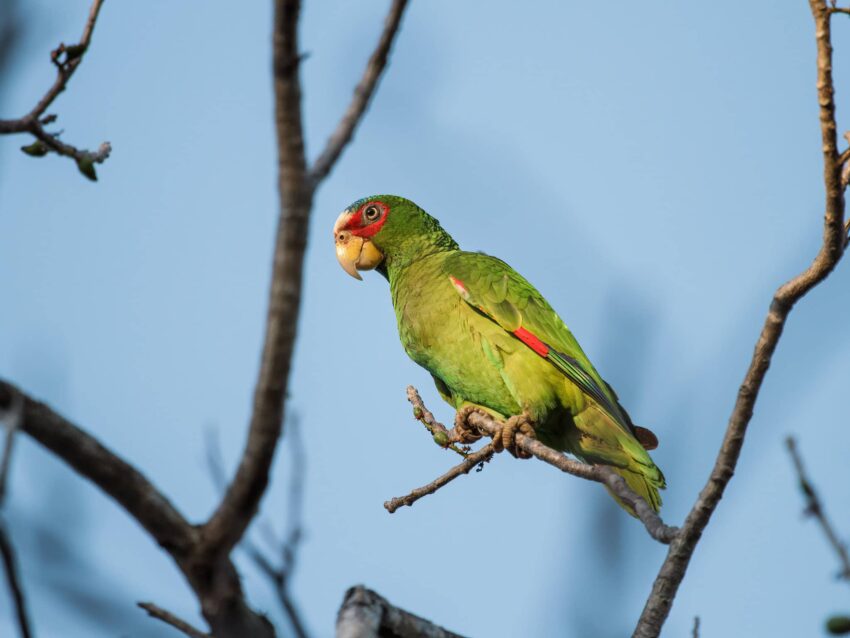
<point x="377" y="231"/>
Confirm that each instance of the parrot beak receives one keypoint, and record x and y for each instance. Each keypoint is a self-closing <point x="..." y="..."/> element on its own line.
<point x="353" y="252"/>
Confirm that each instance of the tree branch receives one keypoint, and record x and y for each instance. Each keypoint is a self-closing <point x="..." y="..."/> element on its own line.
<point x="11" y="418"/>
<point x="464" y="467"/>
<point x="113" y="475"/>
<point x="10" y="566"/>
<point x="598" y="473"/>
<point x="66" y="59"/>
<point x="682" y="548"/>
<point x="170" y="619"/>
<point x="365" y="614"/>
<point x="815" y="508"/>
<point x="229" y="522"/>
<point x="296" y="187"/>
<point x="215" y="582"/>
<point x="362" y="95"/>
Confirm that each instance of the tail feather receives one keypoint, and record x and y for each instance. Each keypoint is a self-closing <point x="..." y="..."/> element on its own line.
<point x="641" y="484"/>
<point x="598" y="439"/>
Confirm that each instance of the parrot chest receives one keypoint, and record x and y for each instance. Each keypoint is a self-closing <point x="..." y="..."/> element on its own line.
<point x="475" y="358"/>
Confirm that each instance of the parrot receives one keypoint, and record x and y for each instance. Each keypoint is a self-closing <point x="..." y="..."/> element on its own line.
<point x="492" y="343"/>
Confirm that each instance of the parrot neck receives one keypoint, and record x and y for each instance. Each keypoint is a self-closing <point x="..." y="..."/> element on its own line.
<point x="413" y="249"/>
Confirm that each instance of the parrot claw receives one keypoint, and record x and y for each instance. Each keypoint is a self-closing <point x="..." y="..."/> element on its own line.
<point x="505" y="438"/>
<point x="462" y="432"/>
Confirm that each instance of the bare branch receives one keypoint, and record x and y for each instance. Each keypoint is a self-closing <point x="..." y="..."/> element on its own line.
<point x="229" y="522"/>
<point x="365" y="614"/>
<point x="695" y="629"/>
<point x="815" y="508"/>
<point x="170" y="619"/>
<point x="66" y="59"/>
<point x="464" y="467"/>
<point x="682" y="548"/>
<point x="278" y="576"/>
<point x="362" y="95"/>
<point x="598" y="473"/>
<point x="11" y="418"/>
<point x="296" y="188"/>
<point x="10" y="567"/>
<point x="216" y="583"/>
<point x="109" y="472"/>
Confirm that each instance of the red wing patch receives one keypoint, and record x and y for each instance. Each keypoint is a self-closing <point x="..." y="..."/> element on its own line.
<point x="529" y="339"/>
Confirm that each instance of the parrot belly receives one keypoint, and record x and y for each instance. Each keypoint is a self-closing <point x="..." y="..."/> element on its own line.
<point x="474" y="361"/>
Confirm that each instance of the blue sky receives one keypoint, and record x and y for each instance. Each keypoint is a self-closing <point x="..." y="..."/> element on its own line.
<point x="654" y="169"/>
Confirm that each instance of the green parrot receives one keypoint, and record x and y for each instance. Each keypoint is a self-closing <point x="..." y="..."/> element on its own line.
<point x="491" y="341"/>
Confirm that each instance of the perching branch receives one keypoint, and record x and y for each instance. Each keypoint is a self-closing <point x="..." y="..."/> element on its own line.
<point x="815" y="508"/>
<point x="365" y="614"/>
<point x="598" y="473"/>
<point x="682" y="548"/>
<point x="66" y="59"/>
<point x="170" y="619"/>
<point x="296" y="187"/>
<point x="362" y="95"/>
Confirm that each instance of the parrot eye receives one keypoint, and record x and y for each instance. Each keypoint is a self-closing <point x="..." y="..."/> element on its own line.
<point x="371" y="213"/>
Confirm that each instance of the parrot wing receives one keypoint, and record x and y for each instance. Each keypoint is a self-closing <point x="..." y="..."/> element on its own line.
<point x="497" y="291"/>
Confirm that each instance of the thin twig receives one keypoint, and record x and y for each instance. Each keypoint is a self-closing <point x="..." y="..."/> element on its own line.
<point x="170" y="619"/>
<point x="815" y="508"/>
<point x="598" y="473"/>
<point x="66" y="59"/>
<point x="366" y="614"/>
<point x="675" y="565"/>
<point x="362" y="95"/>
<point x="695" y="630"/>
<point x="464" y="467"/>
<point x="10" y="567"/>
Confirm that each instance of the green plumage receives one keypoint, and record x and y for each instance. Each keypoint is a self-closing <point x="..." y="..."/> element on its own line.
<point x="463" y="335"/>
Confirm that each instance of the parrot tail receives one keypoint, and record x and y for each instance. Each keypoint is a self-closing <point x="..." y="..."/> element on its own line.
<point x="641" y="484"/>
<point x="598" y="439"/>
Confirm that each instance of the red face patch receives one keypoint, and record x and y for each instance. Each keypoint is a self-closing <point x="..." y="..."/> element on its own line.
<point x="368" y="219"/>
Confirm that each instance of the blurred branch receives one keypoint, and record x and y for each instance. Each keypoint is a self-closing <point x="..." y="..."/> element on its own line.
<point x="365" y="614"/>
<point x="216" y="583"/>
<point x="362" y="95"/>
<point x="814" y="507"/>
<point x="66" y="59"/>
<point x="598" y="473"/>
<point x="278" y="575"/>
<point x="10" y="566"/>
<point x="695" y="629"/>
<point x="296" y="187"/>
<point x="834" y="239"/>
<point x="11" y="418"/>
<point x="170" y="619"/>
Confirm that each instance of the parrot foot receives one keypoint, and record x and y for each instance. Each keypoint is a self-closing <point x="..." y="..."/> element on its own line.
<point x="505" y="438"/>
<point x="462" y="432"/>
